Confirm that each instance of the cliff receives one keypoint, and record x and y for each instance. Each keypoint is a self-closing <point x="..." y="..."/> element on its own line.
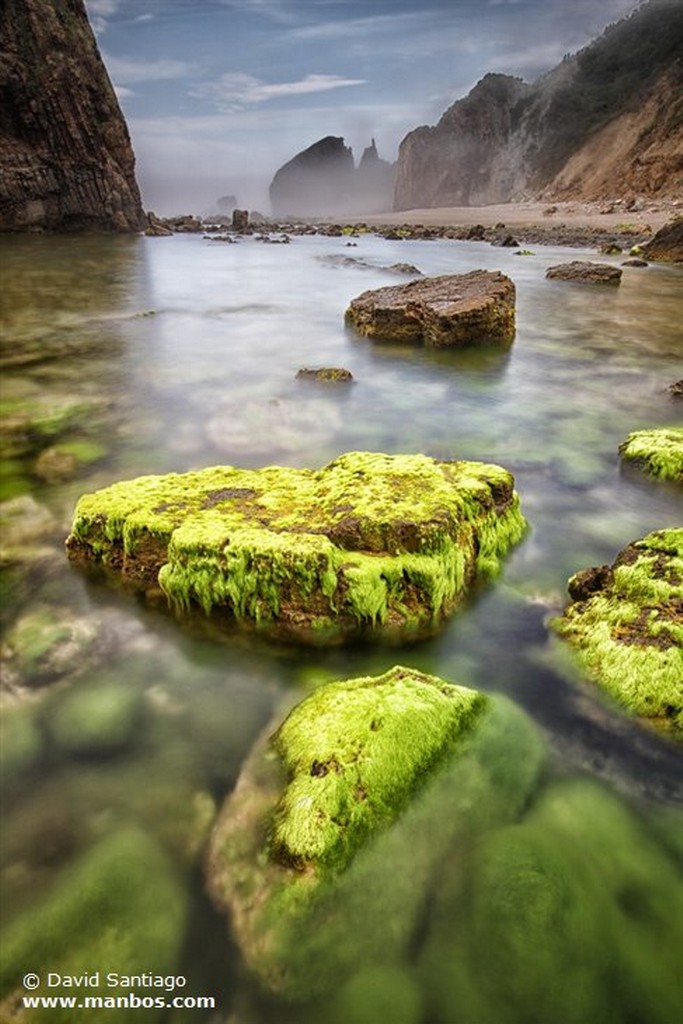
<point x="66" y="161"/>
<point x="606" y="122"/>
<point x="324" y="181"/>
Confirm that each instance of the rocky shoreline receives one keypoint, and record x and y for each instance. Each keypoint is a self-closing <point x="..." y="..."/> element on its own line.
<point x="616" y="226"/>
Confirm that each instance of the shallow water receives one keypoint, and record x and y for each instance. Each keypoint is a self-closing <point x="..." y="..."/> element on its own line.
<point x="172" y="353"/>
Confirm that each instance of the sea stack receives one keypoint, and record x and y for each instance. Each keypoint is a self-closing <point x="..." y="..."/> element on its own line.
<point x="66" y="160"/>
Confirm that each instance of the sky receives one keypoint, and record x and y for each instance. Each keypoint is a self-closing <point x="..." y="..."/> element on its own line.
<point x="218" y="94"/>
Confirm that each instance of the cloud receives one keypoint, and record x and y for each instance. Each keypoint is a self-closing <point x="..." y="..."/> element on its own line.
<point x="99" y="11"/>
<point x="128" y="72"/>
<point x="122" y="92"/>
<point x="235" y="91"/>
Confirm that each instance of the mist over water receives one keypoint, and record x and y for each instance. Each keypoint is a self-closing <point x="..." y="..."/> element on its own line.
<point x="538" y="881"/>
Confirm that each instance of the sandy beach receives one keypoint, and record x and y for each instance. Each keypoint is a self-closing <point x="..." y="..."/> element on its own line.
<point x="533" y="214"/>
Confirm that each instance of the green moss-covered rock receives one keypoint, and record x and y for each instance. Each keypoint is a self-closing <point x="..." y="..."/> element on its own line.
<point x="119" y="909"/>
<point x="370" y="544"/>
<point x="354" y="752"/>
<point x="21" y="742"/>
<point x="571" y="915"/>
<point x="335" y="836"/>
<point x="44" y="644"/>
<point x="97" y="719"/>
<point x="626" y="624"/>
<point x="64" y="460"/>
<point x="659" y="452"/>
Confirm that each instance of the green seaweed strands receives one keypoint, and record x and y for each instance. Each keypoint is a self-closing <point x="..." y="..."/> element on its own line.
<point x="369" y="543"/>
<point x="627" y="626"/>
<point x="355" y="752"/>
<point x="659" y="452"/>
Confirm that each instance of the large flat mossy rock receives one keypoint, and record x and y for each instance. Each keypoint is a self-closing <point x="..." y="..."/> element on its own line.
<point x="659" y="452"/>
<point x="452" y="310"/>
<point x="626" y="623"/>
<point x="371" y="544"/>
<point x="327" y="850"/>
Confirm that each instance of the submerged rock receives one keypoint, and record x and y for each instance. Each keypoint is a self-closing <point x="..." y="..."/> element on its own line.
<point x="626" y="623"/>
<point x="585" y="271"/>
<point x="676" y="389"/>
<point x="97" y="720"/>
<point x="451" y="310"/>
<point x="45" y="643"/>
<point x="329" y="374"/>
<point x="370" y="544"/>
<point x="334" y="836"/>
<point x="659" y="452"/>
<point x="549" y="912"/>
<point x="119" y="909"/>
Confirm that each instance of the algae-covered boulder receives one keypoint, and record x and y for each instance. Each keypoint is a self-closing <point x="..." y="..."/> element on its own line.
<point x="119" y="909"/>
<point x="371" y="544"/>
<point x="572" y="915"/>
<point x="448" y="311"/>
<point x="626" y="623"/>
<point x="659" y="452"/>
<point x="333" y="840"/>
<point x="97" y="720"/>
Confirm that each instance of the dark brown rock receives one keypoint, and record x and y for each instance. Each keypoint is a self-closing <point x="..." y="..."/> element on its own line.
<point x="240" y="220"/>
<point x="451" y="310"/>
<point x="667" y="244"/>
<point x="585" y="271"/>
<point x="676" y="389"/>
<point x="66" y="160"/>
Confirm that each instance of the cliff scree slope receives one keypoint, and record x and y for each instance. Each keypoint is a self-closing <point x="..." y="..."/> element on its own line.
<point x="66" y="160"/>
<point x="606" y="122"/>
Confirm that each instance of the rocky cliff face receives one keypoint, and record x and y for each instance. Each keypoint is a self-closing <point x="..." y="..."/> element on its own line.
<point x="315" y="181"/>
<point x="324" y="181"/>
<point x="66" y="161"/>
<point x="606" y="122"/>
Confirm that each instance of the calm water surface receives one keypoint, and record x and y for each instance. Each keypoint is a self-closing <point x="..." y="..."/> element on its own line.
<point x="140" y="355"/>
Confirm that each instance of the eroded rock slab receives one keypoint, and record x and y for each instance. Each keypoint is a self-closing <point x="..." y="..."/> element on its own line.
<point x="370" y="545"/>
<point x="334" y="836"/>
<point x="626" y="624"/>
<point x="586" y="272"/>
<point x="658" y="452"/>
<point x="452" y="310"/>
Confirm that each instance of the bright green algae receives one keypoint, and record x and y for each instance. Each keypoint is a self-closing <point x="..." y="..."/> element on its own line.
<point x="446" y="761"/>
<point x="629" y="632"/>
<point x="355" y="751"/>
<point x="369" y="543"/>
<point x="659" y="452"/>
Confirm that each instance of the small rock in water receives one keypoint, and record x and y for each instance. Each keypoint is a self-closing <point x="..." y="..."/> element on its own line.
<point x="585" y="272"/>
<point x="328" y="374"/>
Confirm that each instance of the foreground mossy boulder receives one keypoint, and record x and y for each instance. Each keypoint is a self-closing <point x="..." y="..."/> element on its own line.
<point x="370" y="544"/>
<point x="335" y="835"/>
<point x="626" y="623"/>
<point x="572" y="915"/>
<point x="659" y="452"/>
